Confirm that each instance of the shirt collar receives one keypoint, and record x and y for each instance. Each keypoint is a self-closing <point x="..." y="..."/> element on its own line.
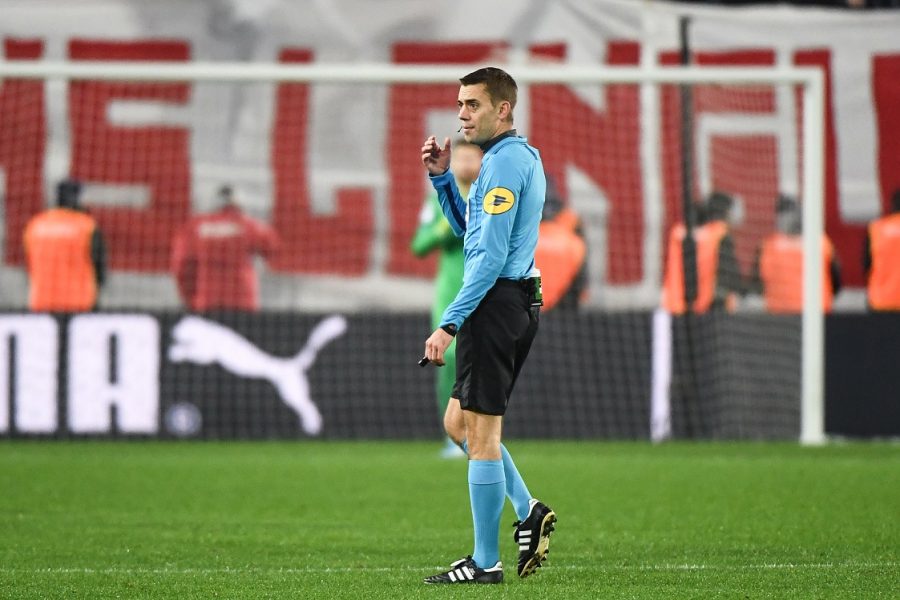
<point x="496" y="140"/>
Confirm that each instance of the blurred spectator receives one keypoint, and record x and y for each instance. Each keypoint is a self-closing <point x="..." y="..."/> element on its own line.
<point x="561" y="252"/>
<point x="212" y="258"/>
<point x="65" y="255"/>
<point x="719" y="278"/>
<point x="881" y="259"/>
<point x="434" y="233"/>
<point x="778" y="269"/>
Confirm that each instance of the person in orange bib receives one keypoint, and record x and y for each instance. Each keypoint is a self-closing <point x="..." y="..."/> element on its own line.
<point x="561" y="253"/>
<point x="778" y="269"/>
<point x="719" y="280"/>
<point x="881" y="259"/>
<point x="65" y="255"/>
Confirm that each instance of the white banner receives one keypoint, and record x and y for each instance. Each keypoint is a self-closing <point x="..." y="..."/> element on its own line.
<point x="859" y="50"/>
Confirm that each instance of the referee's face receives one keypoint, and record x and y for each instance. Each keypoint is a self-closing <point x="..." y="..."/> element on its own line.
<point x="481" y="120"/>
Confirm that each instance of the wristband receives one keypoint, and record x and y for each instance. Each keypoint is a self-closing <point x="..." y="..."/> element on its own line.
<point x="450" y="328"/>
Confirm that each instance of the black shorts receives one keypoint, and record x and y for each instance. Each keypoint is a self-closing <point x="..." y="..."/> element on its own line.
<point x="492" y="345"/>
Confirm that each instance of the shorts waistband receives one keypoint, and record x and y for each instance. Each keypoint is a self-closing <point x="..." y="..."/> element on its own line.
<point x="517" y="283"/>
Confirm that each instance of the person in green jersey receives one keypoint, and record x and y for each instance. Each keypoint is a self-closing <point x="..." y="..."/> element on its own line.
<point x="434" y="233"/>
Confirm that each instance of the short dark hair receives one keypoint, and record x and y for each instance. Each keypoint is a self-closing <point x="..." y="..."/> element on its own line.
<point x="788" y="215"/>
<point x="226" y="195"/>
<point x="68" y="193"/>
<point x="500" y="86"/>
<point x="785" y="203"/>
<point x="718" y="206"/>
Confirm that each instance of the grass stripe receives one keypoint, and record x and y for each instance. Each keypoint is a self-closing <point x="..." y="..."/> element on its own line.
<point x="301" y="570"/>
<point x="366" y="519"/>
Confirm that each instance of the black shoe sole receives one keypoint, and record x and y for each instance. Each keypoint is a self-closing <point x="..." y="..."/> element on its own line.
<point x="543" y="547"/>
<point x="471" y="582"/>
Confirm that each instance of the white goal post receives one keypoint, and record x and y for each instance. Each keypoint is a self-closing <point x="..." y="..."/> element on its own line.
<point x="809" y="80"/>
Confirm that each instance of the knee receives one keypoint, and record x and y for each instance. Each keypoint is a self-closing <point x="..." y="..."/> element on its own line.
<point x="483" y="437"/>
<point x="484" y="448"/>
<point x="454" y="422"/>
<point x="455" y="428"/>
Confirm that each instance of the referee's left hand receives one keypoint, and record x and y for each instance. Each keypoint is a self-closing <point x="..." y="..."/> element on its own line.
<point x="436" y="345"/>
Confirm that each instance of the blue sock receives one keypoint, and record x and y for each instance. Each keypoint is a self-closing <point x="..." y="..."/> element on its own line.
<point x="516" y="489"/>
<point x="486" y="493"/>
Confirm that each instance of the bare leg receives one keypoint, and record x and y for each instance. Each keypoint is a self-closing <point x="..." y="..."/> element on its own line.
<point x="454" y="421"/>
<point x="516" y="490"/>
<point x="483" y="435"/>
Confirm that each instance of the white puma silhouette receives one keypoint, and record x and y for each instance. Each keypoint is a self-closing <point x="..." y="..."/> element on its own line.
<point x="205" y="342"/>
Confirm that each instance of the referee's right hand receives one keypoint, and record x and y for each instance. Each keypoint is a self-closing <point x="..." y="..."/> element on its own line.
<point x="435" y="158"/>
<point x="435" y="346"/>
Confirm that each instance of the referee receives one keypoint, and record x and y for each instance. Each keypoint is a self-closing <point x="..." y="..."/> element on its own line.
<point x="494" y="316"/>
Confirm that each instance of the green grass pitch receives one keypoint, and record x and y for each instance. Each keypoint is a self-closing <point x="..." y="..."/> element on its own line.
<point x="370" y="519"/>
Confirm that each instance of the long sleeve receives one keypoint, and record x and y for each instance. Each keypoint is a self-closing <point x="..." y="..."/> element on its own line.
<point x="184" y="266"/>
<point x="835" y="270"/>
<point x="452" y="203"/>
<point x="265" y="240"/>
<point x="728" y="276"/>
<point x="98" y="257"/>
<point x="867" y="254"/>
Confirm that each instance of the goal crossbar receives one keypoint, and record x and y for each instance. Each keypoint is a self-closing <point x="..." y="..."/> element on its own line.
<point x="384" y="73"/>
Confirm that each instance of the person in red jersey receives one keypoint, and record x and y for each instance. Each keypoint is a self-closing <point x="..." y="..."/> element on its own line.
<point x="212" y="258"/>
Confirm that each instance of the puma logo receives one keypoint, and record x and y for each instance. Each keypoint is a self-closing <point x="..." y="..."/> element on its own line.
<point x="206" y="342"/>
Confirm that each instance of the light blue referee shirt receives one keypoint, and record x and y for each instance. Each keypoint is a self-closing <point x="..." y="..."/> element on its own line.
<point x="500" y="221"/>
